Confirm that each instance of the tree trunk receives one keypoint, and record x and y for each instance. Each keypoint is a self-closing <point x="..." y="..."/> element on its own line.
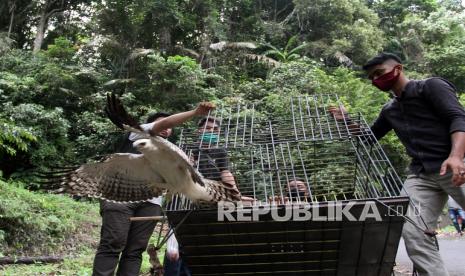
<point x="165" y="40"/>
<point x="40" y="32"/>
<point x="12" y="17"/>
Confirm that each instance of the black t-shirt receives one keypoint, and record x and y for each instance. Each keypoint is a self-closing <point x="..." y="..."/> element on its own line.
<point x="211" y="162"/>
<point x="423" y="117"/>
<point x="124" y="145"/>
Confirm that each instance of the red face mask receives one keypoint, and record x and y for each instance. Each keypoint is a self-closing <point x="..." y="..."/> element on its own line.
<point x="386" y="82"/>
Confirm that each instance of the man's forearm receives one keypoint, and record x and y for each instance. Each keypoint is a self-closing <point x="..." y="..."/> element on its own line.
<point x="354" y="128"/>
<point x="172" y="121"/>
<point x="458" y="144"/>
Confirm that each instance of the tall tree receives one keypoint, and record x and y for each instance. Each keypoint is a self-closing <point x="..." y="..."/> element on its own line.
<point x="49" y="9"/>
<point x="14" y="19"/>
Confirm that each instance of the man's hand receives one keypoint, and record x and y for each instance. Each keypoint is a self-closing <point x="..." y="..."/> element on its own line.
<point x="339" y="113"/>
<point x="279" y="200"/>
<point x="454" y="164"/>
<point x="203" y="108"/>
<point x="247" y="200"/>
<point x="192" y="160"/>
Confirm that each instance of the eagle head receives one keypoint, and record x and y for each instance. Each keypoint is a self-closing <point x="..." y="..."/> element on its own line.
<point x="143" y="145"/>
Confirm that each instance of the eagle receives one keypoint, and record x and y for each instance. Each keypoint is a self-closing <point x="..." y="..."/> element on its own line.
<point x="127" y="177"/>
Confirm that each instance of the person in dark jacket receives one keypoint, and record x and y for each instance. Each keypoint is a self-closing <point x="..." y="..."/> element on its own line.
<point x="122" y="241"/>
<point x="430" y="122"/>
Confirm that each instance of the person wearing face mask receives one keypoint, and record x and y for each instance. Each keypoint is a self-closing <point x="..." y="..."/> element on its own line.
<point x="430" y="122"/>
<point x="212" y="161"/>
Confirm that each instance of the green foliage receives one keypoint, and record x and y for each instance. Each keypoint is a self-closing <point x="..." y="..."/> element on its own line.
<point x="48" y="126"/>
<point x="292" y="77"/>
<point x="447" y="62"/>
<point x="431" y="41"/>
<point x="287" y="53"/>
<point x="62" y="49"/>
<point x="343" y="26"/>
<point x="6" y="43"/>
<point x="178" y="82"/>
<point x="359" y="41"/>
<point x="25" y="78"/>
<point x="445" y="45"/>
<point x="13" y="138"/>
<point x="40" y="223"/>
<point x="394" y="12"/>
<point x="95" y="135"/>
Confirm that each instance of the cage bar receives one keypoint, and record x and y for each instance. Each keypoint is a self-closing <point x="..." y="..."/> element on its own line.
<point x="298" y="156"/>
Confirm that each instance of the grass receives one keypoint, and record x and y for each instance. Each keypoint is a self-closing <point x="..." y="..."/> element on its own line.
<point x="448" y="229"/>
<point x="41" y="224"/>
<point x="36" y="224"/>
<point x="80" y="265"/>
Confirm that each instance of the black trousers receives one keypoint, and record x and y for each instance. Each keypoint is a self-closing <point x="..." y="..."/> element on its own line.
<point x="122" y="242"/>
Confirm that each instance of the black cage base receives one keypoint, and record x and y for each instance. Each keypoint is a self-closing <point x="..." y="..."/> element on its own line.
<point x="270" y="247"/>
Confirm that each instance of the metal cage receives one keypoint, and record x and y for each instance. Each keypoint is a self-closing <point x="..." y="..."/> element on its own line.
<point x="300" y="156"/>
<point x="307" y="144"/>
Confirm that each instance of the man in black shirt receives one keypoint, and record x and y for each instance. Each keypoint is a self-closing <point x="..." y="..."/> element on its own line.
<point x="212" y="160"/>
<point x="430" y="123"/>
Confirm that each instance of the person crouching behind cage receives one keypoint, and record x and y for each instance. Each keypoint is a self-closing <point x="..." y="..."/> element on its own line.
<point x="296" y="191"/>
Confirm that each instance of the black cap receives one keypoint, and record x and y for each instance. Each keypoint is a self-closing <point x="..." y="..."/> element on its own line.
<point x="202" y="121"/>
<point x="381" y="58"/>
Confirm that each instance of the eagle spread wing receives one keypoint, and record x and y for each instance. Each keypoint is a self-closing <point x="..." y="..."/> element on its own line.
<point x="118" y="114"/>
<point x="121" y="177"/>
<point x="137" y="177"/>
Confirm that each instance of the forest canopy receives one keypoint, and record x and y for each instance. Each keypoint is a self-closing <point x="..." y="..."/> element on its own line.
<point x="59" y="58"/>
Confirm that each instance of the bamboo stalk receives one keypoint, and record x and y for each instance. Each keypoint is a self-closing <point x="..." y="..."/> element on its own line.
<point x="157" y="218"/>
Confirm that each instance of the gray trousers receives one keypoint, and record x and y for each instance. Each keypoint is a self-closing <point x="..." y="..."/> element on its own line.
<point x="122" y="242"/>
<point x="429" y="193"/>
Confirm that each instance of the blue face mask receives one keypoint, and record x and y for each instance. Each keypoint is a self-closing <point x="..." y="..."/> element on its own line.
<point x="209" y="138"/>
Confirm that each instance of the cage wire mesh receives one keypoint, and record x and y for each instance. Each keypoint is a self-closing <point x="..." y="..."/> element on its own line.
<point x="290" y="151"/>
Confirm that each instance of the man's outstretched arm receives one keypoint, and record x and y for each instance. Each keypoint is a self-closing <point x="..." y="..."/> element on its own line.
<point x="174" y="120"/>
<point x="379" y="128"/>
